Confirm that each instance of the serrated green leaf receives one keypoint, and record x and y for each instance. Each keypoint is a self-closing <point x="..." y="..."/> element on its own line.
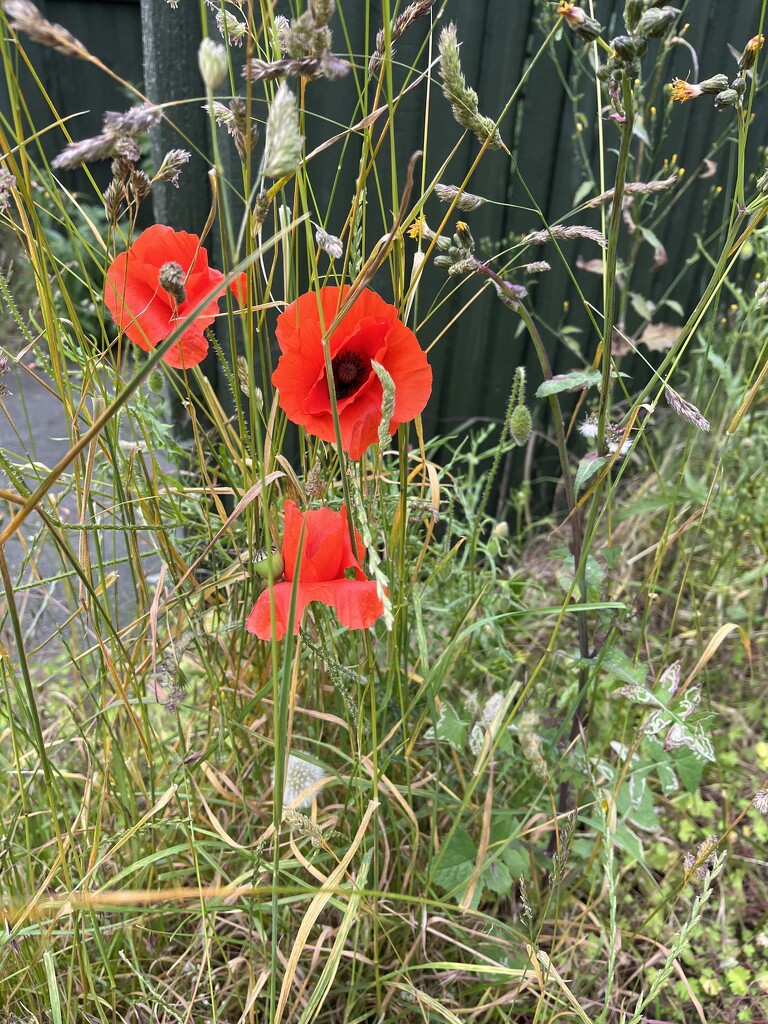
<point x="449" y="728"/>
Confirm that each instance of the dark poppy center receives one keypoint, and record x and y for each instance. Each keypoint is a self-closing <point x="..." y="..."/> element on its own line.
<point x="349" y="373"/>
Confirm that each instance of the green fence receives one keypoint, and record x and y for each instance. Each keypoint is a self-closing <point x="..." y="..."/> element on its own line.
<point x="550" y="134"/>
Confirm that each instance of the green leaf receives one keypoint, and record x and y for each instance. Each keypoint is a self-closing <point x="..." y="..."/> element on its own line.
<point x="457" y="862"/>
<point x="573" y="381"/>
<point x="449" y="728"/>
<point x="689" y="768"/>
<point x="588" y="467"/>
<point x="738" y="980"/>
<point x="496" y="877"/>
<point x="619" y="666"/>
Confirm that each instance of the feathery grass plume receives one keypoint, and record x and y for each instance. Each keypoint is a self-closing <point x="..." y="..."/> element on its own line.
<point x="87" y="151"/>
<point x="229" y="27"/>
<point x="23" y="16"/>
<point x="305" y="826"/>
<point x="537" y="267"/>
<point x="322" y="11"/>
<point x="132" y="122"/>
<point x="634" y="188"/>
<point x="463" y="100"/>
<point x="465" y="201"/>
<point x="687" y="410"/>
<point x="170" y="168"/>
<point x="401" y="23"/>
<point x="303" y="782"/>
<point x="327" y="65"/>
<point x="683" y="936"/>
<point x="282" y="152"/>
<point x="213" y="63"/>
<point x="329" y="244"/>
<point x="760" y="802"/>
<point x="566" y="233"/>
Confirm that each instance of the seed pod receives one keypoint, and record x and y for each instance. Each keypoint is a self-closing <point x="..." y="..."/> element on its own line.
<point x="263" y="559"/>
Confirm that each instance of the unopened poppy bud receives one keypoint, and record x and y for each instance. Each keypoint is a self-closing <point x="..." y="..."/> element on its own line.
<point x="212" y="61"/>
<point x="726" y="98"/>
<point x="714" y="85"/>
<point x="171" y="278"/>
<point x="655" y="22"/>
<point x="628" y="47"/>
<point x="749" y="56"/>
<point x="520" y="425"/>
<point x="266" y="560"/>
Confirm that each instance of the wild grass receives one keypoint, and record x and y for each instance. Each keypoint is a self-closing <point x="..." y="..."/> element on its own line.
<point x="532" y="789"/>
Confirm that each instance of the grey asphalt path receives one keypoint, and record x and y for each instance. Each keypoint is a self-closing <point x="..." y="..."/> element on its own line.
<point x="34" y="437"/>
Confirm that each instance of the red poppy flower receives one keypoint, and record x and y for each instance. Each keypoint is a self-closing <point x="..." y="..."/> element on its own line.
<point x="370" y="330"/>
<point x="148" y="310"/>
<point x="326" y="556"/>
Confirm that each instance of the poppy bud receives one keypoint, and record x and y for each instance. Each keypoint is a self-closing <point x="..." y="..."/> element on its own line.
<point x="264" y="559"/>
<point x="212" y="61"/>
<point x="654" y="23"/>
<point x="520" y="425"/>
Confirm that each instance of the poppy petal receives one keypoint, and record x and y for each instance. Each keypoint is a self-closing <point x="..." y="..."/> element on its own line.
<point x="260" y="620"/>
<point x="357" y="602"/>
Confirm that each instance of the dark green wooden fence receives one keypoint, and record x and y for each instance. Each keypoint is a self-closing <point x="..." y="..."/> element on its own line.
<point x="474" y="362"/>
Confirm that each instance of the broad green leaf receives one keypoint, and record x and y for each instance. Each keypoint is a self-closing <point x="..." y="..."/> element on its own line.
<point x="573" y="381"/>
<point x="588" y="467"/>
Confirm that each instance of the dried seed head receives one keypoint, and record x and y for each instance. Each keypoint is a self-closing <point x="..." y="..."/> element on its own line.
<point x="170" y="168"/>
<point x="465" y="201"/>
<point x="282" y="153"/>
<point x="75" y="154"/>
<point x="260" y="210"/>
<point x="134" y="121"/>
<point x="537" y="267"/>
<point x="687" y="410"/>
<point x="128" y="148"/>
<point x="463" y="100"/>
<point x="140" y="185"/>
<point x="114" y="197"/>
<point x="566" y="233"/>
<point x="213" y="63"/>
<point x="23" y="16"/>
<point x="7" y="183"/>
<point x="172" y="279"/>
